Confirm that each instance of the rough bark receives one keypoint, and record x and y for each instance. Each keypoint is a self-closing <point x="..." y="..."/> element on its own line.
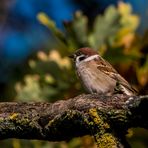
<point x="107" y="118"/>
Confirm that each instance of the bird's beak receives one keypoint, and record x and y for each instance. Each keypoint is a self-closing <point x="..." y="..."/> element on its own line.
<point x="73" y="56"/>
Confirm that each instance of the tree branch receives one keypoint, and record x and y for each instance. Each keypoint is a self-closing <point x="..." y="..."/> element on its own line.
<point x="107" y="118"/>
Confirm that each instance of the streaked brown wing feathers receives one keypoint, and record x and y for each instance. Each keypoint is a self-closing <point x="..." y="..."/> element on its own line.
<point x="104" y="66"/>
<point x="107" y="68"/>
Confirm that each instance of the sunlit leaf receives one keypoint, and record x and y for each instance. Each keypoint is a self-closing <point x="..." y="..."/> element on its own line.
<point x="104" y="27"/>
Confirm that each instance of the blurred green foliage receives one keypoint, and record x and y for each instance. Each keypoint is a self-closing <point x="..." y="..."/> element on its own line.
<point x="51" y="74"/>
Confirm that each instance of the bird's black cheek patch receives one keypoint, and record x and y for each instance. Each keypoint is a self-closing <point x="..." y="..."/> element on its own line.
<point x="82" y="58"/>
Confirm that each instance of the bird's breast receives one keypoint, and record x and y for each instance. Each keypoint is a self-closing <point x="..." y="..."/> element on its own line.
<point x="94" y="80"/>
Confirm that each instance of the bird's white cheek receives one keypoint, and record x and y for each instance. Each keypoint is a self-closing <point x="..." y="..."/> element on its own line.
<point x="77" y="64"/>
<point x="91" y="58"/>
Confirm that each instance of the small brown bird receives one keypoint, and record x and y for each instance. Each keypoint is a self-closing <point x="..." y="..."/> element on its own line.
<point x="97" y="75"/>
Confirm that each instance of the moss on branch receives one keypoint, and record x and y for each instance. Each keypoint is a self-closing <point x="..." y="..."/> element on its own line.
<point x="107" y="118"/>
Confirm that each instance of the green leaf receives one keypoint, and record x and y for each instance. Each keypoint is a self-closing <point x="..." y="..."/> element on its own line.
<point x="104" y="27"/>
<point x="80" y="28"/>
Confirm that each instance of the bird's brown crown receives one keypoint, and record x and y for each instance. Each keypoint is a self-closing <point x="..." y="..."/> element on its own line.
<point x="83" y="51"/>
<point x="86" y="51"/>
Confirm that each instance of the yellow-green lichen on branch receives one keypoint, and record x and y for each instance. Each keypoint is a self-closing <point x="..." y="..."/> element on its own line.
<point x="100" y="133"/>
<point x="19" y="119"/>
<point x="107" y="140"/>
<point x="13" y="116"/>
<point x="98" y="119"/>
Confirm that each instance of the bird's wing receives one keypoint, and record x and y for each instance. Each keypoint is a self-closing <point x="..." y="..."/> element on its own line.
<point x="108" y="69"/>
<point x="105" y="66"/>
<point x="123" y="84"/>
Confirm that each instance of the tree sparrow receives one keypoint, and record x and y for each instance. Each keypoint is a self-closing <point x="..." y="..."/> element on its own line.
<point x="97" y="75"/>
